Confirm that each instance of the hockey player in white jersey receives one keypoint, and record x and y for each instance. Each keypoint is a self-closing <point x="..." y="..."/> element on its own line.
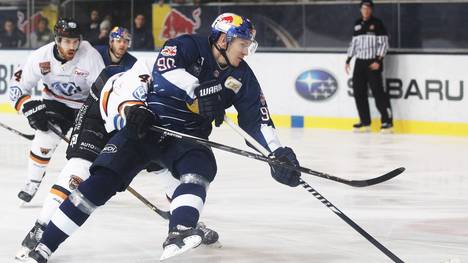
<point x="67" y="67"/>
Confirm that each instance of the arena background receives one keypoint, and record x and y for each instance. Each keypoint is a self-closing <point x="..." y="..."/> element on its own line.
<point x="424" y="70"/>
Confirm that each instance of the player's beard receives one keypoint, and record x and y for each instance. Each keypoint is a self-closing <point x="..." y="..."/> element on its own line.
<point x="118" y="52"/>
<point x="68" y="54"/>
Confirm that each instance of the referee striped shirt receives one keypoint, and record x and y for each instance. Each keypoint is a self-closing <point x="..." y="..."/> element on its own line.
<point x="370" y="40"/>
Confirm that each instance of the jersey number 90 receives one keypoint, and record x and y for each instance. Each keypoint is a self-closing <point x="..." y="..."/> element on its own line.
<point x="165" y="63"/>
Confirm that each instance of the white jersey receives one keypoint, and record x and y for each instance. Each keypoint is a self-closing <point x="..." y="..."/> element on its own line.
<point x="68" y="83"/>
<point x="125" y="89"/>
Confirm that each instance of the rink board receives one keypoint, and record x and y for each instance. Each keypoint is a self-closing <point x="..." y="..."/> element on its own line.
<point x="313" y="90"/>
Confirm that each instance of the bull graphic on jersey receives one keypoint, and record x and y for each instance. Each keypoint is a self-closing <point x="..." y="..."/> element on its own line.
<point x="67" y="89"/>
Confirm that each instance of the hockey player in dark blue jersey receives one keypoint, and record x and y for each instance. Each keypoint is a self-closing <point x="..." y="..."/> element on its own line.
<point x="115" y="54"/>
<point x="194" y="80"/>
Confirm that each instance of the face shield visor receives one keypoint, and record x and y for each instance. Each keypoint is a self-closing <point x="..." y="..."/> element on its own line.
<point x="249" y="46"/>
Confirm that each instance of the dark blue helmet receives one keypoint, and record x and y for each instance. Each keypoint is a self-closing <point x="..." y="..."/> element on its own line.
<point x="233" y="26"/>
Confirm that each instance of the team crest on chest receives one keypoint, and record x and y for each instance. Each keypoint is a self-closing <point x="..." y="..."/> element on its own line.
<point x="233" y="84"/>
<point x="45" y="67"/>
<point x="371" y="27"/>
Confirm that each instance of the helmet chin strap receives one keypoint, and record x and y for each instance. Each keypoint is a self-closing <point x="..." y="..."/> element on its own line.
<point x="223" y="53"/>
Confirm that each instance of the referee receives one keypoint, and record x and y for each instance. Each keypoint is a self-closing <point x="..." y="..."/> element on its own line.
<point x="369" y="45"/>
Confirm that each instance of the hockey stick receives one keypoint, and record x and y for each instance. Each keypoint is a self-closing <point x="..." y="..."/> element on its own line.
<point x="355" y="183"/>
<point x="317" y="195"/>
<point x="163" y="214"/>
<point x="27" y="136"/>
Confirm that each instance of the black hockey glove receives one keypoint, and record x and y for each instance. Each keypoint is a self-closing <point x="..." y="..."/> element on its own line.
<point x="210" y="101"/>
<point x="35" y="111"/>
<point x="138" y="121"/>
<point x="284" y="175"/>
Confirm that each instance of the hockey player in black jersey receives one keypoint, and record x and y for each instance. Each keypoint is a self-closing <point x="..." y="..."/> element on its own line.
<point x="195" y="79"/>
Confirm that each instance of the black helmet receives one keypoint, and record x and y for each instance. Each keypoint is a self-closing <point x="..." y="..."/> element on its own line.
<point x="67" y="27"/>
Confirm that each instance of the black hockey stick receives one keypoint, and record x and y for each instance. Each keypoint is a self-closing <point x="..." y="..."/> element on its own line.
<point x="350" y="222"/>
<point x="317" y="195"/>
<point x="27" y="136"/>
<point x="355" y="183"/>
<point x="163" y="214"/>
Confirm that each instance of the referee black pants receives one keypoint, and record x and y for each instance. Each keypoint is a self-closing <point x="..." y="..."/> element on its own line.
<point x="362" y="77"/>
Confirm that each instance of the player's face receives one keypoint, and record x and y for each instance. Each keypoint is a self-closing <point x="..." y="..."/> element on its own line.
<point x="237" y="50"/>
<point x="68" y="47"/>
<point x="119" y="47"/>
<point x="366" y="11"/>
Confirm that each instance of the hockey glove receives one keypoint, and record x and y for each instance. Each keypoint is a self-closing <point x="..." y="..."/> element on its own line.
<point x="35" y="111"/>
<point x="210" y="101"/>
<point x="284" y="175"/>
<point x="138" y="121"/>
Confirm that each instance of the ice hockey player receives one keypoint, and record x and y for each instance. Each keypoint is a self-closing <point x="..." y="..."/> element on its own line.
<point x="194" y="79"/>
<point x="88" y="138"/>
<point x="116" y="52"/>
<point x="68" y="68"/>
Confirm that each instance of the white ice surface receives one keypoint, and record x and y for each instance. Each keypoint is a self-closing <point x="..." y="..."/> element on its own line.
<point x="421" y="215"/>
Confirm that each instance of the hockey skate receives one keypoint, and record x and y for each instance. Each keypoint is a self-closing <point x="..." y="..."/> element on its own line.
<point x="29" y="190"/>
<point x="181" y="240"/>
<point x="40" y="254"/>
<point x="30" y="241"/>
<point x="361" y="128"/>
<point x="386" y="128"/>
<point x="210" y="237"/>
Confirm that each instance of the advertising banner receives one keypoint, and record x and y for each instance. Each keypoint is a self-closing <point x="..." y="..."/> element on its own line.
<point x="313" y="90"/>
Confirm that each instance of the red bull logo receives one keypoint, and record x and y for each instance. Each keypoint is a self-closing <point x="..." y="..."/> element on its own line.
<point x="234" y="20"/>
<point x="176" y="24"/>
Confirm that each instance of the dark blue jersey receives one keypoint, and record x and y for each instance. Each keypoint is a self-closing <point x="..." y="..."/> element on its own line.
<point x="126" y="62"/>
<point x="185" y="62"/>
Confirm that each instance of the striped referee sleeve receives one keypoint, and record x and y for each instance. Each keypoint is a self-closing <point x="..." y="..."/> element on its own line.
<point x="352" y="49"/>
<point x="382" y="45"/>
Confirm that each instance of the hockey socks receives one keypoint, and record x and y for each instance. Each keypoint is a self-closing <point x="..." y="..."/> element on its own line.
<point x="67" y="219"/>
<point x="187" y="204"/>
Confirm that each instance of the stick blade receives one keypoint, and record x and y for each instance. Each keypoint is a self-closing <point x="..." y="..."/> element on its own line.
<point x="377" y="180"/>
